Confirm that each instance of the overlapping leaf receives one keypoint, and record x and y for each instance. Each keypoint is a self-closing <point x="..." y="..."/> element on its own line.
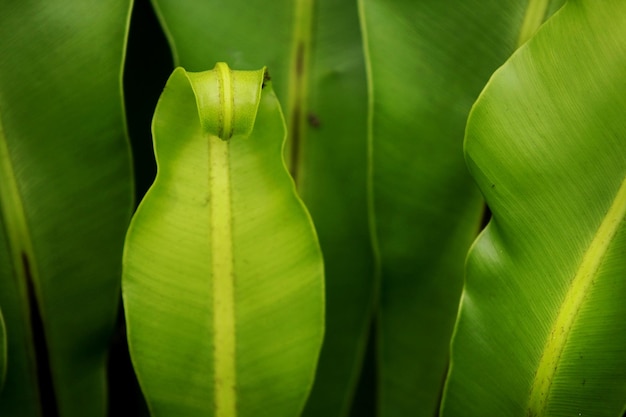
<point x="542" y="329"/>
<point x="427" y="63"/>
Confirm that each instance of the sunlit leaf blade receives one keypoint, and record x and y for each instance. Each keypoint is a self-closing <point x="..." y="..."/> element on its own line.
<point x="223" y="275"/>
<point x="65" y="200"/>
<point x="428" y="61"/>
<point x="542" y="328"/>
<point x="314" y="54"/>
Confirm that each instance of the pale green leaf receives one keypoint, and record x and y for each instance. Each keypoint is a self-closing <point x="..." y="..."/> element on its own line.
<point x="223" y="275"/>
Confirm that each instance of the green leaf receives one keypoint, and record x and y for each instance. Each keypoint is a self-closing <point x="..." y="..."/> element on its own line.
<point x="314" y="53"/>
<point x="332" y="179"/>
<point x="3" y="351"/>
<point x="542" y="328"/>
<point x="223" y="275"/>
<point x="427" y="61"/>
<point x="65" y="200"/>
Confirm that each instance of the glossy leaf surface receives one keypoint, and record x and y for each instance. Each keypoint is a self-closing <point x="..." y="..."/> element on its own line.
<point x="542" y="329"/>
<point x="223" y="275"/>
<point x="65" y="200"/>
<point x="428" y="61"/>
<point x="314" y="54"/>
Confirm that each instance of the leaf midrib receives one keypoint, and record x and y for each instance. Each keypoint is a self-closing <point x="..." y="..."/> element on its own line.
<point x="222" y="270"/>
<point x="22" y="258"/>
<point x="578" y="290"/>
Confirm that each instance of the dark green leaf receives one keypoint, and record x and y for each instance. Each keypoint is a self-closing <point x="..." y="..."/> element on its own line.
<point x="65" y="200"/>
<point x="3" y="351"/>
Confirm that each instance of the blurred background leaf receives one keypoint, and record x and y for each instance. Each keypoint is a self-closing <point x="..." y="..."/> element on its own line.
<point x="65" y="200"/>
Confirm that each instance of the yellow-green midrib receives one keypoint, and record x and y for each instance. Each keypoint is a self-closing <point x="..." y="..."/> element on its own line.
<point x="568" y="313"/>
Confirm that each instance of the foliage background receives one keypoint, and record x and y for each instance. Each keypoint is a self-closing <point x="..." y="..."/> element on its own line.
<point x="148" y="65"/>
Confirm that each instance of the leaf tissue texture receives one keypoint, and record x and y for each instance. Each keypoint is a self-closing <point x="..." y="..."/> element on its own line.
<point x="314" y="53"/>
<point x="65" y="200"/>
<point x="542" y="327"/>
<point x="223" y="275"/>
<point x="427" y="63"/>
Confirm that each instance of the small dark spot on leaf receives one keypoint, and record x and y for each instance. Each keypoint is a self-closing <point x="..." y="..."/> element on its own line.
<point x="313" y="120"/>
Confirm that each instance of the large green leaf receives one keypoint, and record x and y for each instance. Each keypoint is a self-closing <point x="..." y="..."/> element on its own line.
<point x="314" y="54"/>
<point x="223" y="275"/>
<point x="428" y="61"/>
<point x="542" y="328"/>
<point x="65" y="200"/>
